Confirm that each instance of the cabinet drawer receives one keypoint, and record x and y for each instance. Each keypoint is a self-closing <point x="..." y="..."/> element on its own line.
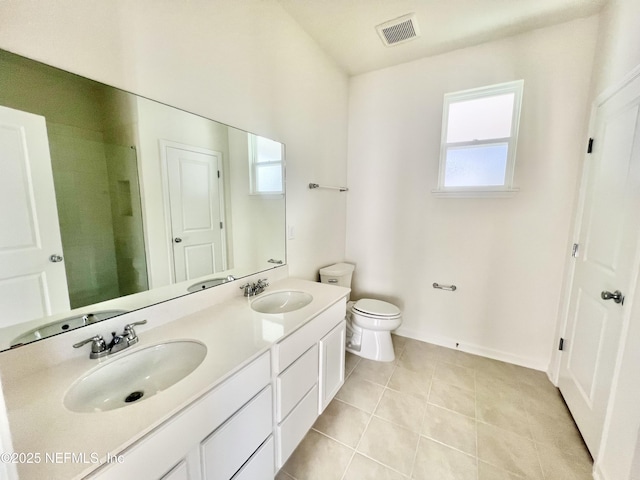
<point x="260" y="466"/>
<point x="291" y="432"/>
<point x="295" y="381"/>
<point x="224" y="452"/>
<point x="302" y="339"/>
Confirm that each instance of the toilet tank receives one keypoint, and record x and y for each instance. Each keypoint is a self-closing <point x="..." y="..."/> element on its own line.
<point x="337" y="274"/>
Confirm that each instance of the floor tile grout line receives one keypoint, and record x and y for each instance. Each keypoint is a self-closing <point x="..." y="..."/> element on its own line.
<point x="450" y="410"/>
<point x="357" y="453"/>
<point x="415" y="453"/>
<point x="355" y="450"/>
<point x="382" y="464"/>
<point x="386" y="387"/>
<point x="334" y="439"/>
<point x="530" y="412"/>
<point x="424" y="416"/>
<point x="535" y="446"/>
<point x="353" y="453"/>
<point x="475" y="404"/>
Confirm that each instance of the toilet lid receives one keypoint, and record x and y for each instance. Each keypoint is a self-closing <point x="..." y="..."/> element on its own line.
<point x="378" y="308"/>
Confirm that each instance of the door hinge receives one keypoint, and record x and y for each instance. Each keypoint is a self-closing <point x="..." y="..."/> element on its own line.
<point x="561" y="344"/>
<point x="575" y="250"/>
<point x="221" y="227"/>
<point x="590" y="146"/>
<point x="218" y="173"/>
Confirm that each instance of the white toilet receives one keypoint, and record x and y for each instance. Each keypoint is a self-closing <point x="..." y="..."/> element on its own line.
<point x="369" y="322"/>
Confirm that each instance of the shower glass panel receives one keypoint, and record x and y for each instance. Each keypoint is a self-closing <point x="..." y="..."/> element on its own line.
<point x="100" y="215"/>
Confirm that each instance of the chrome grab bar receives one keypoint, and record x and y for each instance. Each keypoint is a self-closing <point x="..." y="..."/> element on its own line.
<point x="315" y="185"/>
<point x="449" y="288"/>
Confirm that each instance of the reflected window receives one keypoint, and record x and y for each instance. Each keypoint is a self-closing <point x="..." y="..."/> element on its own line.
<point x="265" y="166"/>
<point x="479" y="135"/>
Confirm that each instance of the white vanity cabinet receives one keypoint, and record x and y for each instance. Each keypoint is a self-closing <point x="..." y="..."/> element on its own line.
<point x="309" y="370"/>
<point x="220" y="436"/>
<point x="248" y="426"/>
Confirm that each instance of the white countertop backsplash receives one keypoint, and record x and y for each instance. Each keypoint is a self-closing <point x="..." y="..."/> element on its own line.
<point x="35" y="378"/>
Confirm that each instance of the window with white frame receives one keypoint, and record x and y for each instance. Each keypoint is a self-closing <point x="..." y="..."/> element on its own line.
<point x="265" y="166"/>
<point x="479" y="137"/>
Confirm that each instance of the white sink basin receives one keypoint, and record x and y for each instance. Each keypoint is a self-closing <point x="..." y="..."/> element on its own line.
<point x="281" y="302"/>
<point x="135" y="376"/>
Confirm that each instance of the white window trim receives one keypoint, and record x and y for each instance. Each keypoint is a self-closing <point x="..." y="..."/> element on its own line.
<point x="499" y="191"/>
<point x="253" y="166"/>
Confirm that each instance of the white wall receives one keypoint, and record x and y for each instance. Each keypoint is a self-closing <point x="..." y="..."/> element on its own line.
<point x="618" y="50"/>
<point x="505" y="255"/>
<point x="247" y="64"/>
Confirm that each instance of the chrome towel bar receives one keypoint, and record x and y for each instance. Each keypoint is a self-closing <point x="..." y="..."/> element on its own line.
<point x="450" y="288"/>
<point x="315" y="185"/>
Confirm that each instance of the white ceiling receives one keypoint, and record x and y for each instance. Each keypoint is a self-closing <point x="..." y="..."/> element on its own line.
<point x="345" y="29"/>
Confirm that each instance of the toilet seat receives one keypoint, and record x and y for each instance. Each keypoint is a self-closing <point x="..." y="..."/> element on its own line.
<point x="371" y="308"/>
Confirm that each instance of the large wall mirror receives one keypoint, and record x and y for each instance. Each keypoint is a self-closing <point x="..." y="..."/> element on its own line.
<point x="110" y="202"/>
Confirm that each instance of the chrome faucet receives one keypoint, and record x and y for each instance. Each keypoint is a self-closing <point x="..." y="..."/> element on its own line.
<point x="117" y="343"/>
<point x="251" y="289"/>
<point x="100" y="348"/>
<point x="89" y="318"/>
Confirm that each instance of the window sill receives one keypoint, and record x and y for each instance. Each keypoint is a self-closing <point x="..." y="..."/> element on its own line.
<point x="469" y="193"/>
<point x="267" y="194"/>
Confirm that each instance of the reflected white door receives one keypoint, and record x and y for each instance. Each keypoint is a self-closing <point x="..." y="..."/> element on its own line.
<point x="195" y="198"/>
<point x="607" y="261"/>
<point x="29" y="228"/>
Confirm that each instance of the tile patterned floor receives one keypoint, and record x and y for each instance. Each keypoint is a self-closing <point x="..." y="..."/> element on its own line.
<point x="441" y="414"/>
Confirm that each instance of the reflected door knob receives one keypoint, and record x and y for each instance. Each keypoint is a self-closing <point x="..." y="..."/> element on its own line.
<point x="55" y="258"/>
<point x="615" y="296"/>
<point x="177" y="239"/>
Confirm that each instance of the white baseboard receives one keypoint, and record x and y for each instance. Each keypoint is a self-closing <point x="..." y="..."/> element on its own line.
<point x="474" y="349"/>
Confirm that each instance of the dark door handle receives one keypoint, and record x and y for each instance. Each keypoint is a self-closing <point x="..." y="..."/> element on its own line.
<point x="615" y="296"/>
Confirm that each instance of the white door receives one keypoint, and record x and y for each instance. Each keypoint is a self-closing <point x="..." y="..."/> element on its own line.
<point x="607" y="262"/>
<point x="195" y="204"/>
<point x="29" y="229"/>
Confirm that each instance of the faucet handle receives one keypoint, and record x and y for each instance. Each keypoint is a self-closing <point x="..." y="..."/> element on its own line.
<point x="98" y="346"/>
<point x="130" y="333"/>
<point x="129" y="326"/>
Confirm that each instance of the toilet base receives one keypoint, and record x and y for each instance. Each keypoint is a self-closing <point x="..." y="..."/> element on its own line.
<point x="370" y="344"/>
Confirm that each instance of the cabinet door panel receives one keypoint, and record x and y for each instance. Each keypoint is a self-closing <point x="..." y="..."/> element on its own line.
<point x="332" y="356"/>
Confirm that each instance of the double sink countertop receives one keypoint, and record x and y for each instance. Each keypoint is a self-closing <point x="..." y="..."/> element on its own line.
<point x="42" y="427"/>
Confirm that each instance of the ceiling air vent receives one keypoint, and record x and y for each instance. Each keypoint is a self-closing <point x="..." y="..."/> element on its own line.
<point x="399" y="30"/>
